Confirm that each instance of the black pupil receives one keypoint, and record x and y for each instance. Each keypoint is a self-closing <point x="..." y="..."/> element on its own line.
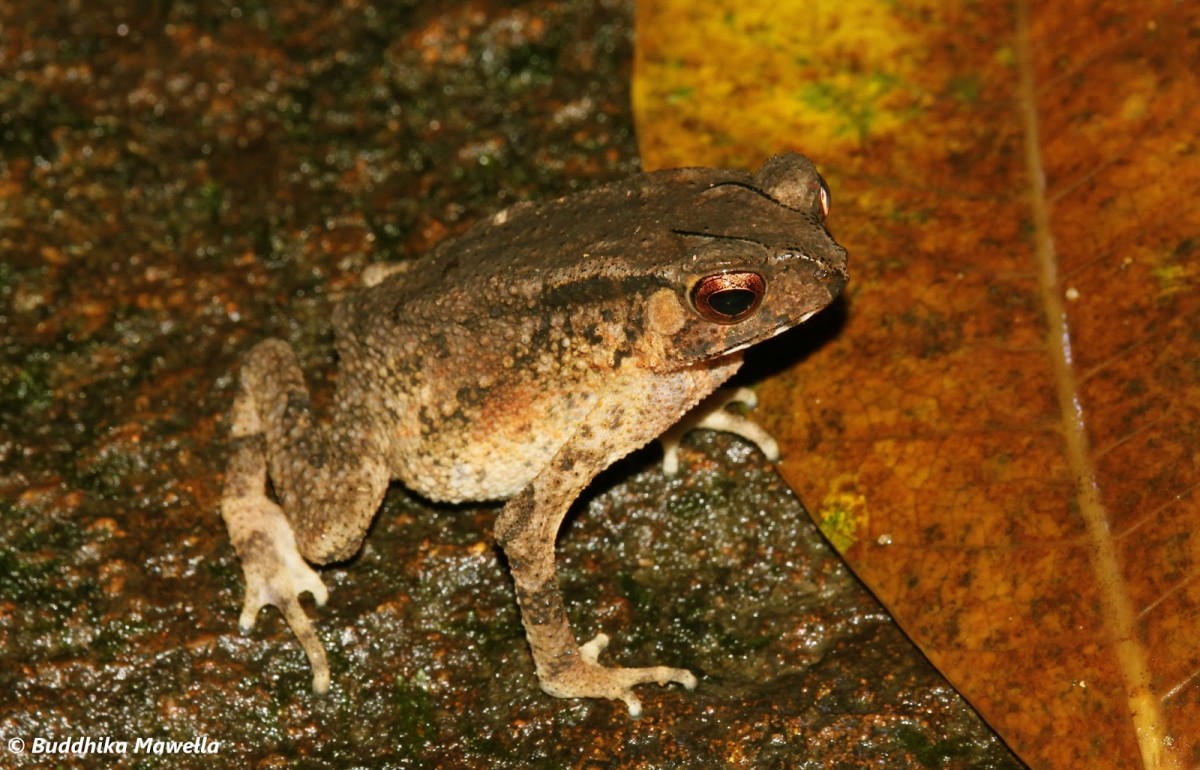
<point x="731" y="302"/>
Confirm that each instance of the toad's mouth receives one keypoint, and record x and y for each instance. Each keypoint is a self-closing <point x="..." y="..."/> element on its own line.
<point x="780" y="329"/>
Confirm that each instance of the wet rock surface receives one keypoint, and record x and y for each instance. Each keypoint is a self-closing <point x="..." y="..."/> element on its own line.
<point x="180" y="180"/>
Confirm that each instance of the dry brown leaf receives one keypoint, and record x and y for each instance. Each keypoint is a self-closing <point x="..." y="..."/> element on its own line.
<point x="1004" y="436"/>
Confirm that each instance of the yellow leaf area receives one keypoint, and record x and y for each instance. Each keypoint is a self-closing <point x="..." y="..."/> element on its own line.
<point x="842" y="515"/>
<point x="999" y="425"/>
<point x="723" y="83"/>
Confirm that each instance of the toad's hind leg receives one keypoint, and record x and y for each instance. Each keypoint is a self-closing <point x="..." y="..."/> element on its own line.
<point x="327" y="487"/>
<point x="626" y="418"/>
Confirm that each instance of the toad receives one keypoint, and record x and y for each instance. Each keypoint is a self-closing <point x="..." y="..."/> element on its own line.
<point x="515" y="362"/>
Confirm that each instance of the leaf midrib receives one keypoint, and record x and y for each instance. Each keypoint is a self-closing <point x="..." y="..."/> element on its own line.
<point x="1119" y="617"/>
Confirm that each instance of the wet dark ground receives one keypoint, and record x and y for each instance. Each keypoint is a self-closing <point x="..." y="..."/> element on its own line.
<point x="180" y="180"/>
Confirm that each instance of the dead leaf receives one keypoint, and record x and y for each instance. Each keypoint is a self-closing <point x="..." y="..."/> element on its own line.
<point x="1004" y="436"/>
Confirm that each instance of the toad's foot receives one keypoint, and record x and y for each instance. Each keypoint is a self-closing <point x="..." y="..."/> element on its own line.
<point x="713" y="414"/>
<point x="276" y="574"/>
<point x="378" y="272"/>
<point x="586" y="678"/>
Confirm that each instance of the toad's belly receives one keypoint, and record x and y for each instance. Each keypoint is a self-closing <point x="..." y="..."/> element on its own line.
<point x="493" y="470"/>
<point x="489" y="450"/>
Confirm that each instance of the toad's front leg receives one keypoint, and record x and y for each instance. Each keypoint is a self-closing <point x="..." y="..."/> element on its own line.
<point x="564" y="668"/>
<point x="626" y="419"/>
<point x="526" y="529"/>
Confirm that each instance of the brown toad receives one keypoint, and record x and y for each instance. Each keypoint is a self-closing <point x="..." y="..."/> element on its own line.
<point x="515" y="363"/>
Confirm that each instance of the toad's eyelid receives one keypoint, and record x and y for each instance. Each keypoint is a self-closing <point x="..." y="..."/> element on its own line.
<point x="775" y="254"/>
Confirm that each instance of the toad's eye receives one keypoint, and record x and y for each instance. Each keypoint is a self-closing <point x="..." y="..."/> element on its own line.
<point x="727" y="298"/>
<point x="826" y="200"/>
